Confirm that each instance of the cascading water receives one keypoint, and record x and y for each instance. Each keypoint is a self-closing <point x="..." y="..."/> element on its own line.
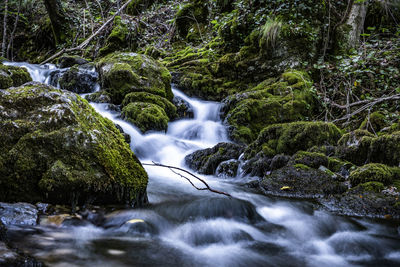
<point x="186" y="227"/>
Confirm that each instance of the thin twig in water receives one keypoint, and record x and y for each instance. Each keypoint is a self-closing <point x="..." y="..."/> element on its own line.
<point x="172" y="168"/>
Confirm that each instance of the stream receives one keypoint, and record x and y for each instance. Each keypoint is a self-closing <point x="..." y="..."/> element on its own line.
<point x="187" y="227"/>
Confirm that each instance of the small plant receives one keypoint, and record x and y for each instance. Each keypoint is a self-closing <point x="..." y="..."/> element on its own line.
<point x="270" y="33"/>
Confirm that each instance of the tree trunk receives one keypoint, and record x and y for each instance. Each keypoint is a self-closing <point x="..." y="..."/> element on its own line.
<point x="58" y="20"/>
<point x="3" y="44"/>
<point x="10" y="43"/>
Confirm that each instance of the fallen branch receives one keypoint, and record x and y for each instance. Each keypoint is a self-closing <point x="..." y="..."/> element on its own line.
<point x="172" y="168"/>
<point x="89" y="39"/>
<point x="370" y="103"/>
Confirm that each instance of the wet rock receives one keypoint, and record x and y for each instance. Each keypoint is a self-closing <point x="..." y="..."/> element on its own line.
<point x="362" y="201"/>
<point x="99" y="97"/>
<point x="127" y="137"/>
<point x="258" y="165"/>
<point x="78" y="80"/>
<point x="18" y="214"/>
<point x="13" y="76"/>
<point x="3" y="231"/>
<point x="227" y="168"/>
<point x="10" y="257"/>
<point x="301" y="181"/>
<point x="207" y="160"/>
<point x="279" y="161"/>
<point x="310" y="159"/>
<point x="138" y="226"/>
<point x="183" y="108"/>
<point x="57" y="149"/>
<point x="69" y="61"/>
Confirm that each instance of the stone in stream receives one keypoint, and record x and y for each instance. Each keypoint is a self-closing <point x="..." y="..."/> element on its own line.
<point x="18" y="214"/>
<point x="183" y="108"/>
<point x="227" y="168"/>
<point x="77" y="79"/>
<point x="207" y="160"/>
<point x="67" y="61"/>
<point x="57" y="149"/>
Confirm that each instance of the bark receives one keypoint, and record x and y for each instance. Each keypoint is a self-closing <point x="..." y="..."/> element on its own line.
<point x="3" y="44"/>
<point x="58" y="20"/>
<point x="10" y="43"/>
<point x="356" y="21"/>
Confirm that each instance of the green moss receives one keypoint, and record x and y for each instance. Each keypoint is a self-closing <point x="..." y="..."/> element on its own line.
<point x="62" y="151"/>
<point x="191" y="14"/>
<point x="335" y="164"/>
<point x="146" y="116"/>
<point x="13" y="76"/>
<point x="288" y="99"/>
<point x="288" y="138"/>
<point x="371" y="172"/>
<point x="374" y="123"/>
<point x="168" y="107"/>
<point x="118" y="39"/>
<point x="122" y="73"/>
<point x="311" y="159"/>
<point x="373" y="186"/>
<point x="135" y="7"/>
<point x="302" y="167"/>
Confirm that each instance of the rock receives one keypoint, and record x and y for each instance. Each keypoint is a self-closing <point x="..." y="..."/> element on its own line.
<point x="57" y="149"/>
<point x="258" y="165"/>
<point x="279" y="161"/>
<point x="18" y="214"/>
<point x="123" y="73"/>
<point x="127" y="137"/>
<point x="67" y="61"/>
<point x="183" y="108"/>
<point x="99" y="97"/>
<point x="227" y="168"/>
<point x="146" y="116"/>
<point x="310" y="159"/>
<point x="362" y="201"/>
<point x="360" y="147"/>
<point x="207" y="160"/>
<point x="78" y="80"/>
<point x="270" y="102"/>
<point x="301" y="181"/>
<point x="3" y="231"/>
<point x="288" y="138"/>
<point x="162" y="102"/>
<point x="13" y="76"/>
<point x="10" y="257"/>
<point x="372" y="172"/>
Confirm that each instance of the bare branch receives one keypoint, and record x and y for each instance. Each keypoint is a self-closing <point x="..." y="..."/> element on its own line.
<point x="172" y="168"/>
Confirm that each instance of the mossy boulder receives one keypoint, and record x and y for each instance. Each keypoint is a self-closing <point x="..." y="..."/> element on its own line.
<point x="146" y="116"/>
<point x="67" y="61"/>
<point x="162" y="102"/>
<point x="372" y="172"/>
<point x="79" y="80"/>
<point x="191" y="14"/>
<point x="207" y="160"/>
<point x="374" y="122"/>
<point x="123" y="73"/>
<point x="288" y="138"/>
<point x="13" y="76"/>
<point x="288" y="99"/>
<point x="57" y="149"/>
<point x="360" y="147"/>
<point x="310" y="159"/>
<point x="120" y="38"/>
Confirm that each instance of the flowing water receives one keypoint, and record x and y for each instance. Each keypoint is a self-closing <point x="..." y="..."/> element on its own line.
<point x="187" y="227"/>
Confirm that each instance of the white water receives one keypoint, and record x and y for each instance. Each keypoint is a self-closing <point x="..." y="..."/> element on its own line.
<point x="187" y="227"/>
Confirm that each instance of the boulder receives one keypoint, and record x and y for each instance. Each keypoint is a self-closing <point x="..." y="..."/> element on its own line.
<point x="18" y="214"/>
<point x="288" y="138"/>
<point x="372" y="172"/>
<point x="123" y="73"/>
<point x="162" y="102"/>
<point x="13" y="76"/>
<point x="57" y="149"/>
<point x="207" y="160"/>
<point x="78" y="80"/>
<point x="67" y="61"/>
<point x="183" y="108"/>
<point x="301" y="181"/>
<point x="228" y="168"/>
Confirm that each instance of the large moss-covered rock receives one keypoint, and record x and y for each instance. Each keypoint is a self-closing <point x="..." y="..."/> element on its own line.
<point x="361" y="147"/>
<point x="123" y="73"/>
<point x="162" y="102"/>
<point x="207" y="160"/>
<point x="146" y="116"/>
<point x="288" y="138"/>
<point x="372" y="172"/>
<point x="13" y="76"/>
<point x="288" y="99"/>
<point x="56" y="148"/>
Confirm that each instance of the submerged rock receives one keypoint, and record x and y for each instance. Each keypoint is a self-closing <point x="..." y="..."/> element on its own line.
<point x="57" y="149"/>
<point x="207" y="160"/>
